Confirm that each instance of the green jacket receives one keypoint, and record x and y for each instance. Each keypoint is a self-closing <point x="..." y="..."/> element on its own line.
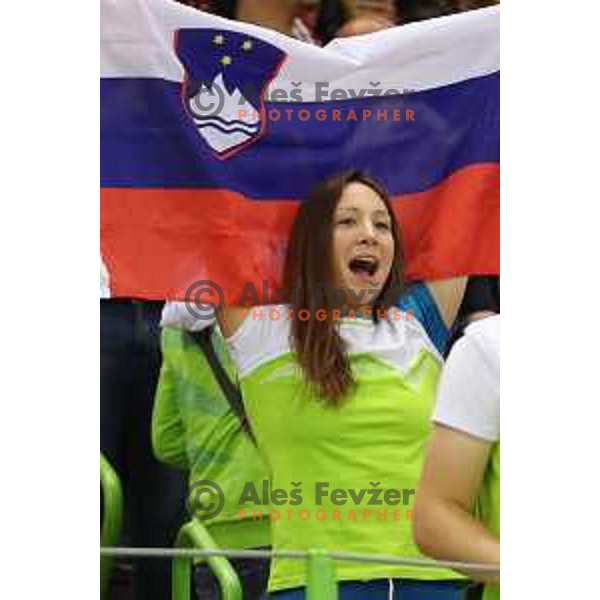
<point x="193" y="428"/>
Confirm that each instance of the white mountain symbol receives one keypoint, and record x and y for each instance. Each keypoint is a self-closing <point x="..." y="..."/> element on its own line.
<point x="223" y="120"/>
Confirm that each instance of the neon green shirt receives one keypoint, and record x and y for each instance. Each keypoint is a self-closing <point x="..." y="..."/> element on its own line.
<point x="489" y="503"/>
<point x="374" y="441"/>
<point x="469" y="401"/>
<point x="193" y="428"/>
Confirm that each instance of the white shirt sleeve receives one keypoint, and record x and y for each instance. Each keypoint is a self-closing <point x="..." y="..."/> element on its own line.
<point x="177" y="316"/>
<point x="469" y="391"/>
<point x="263" y="336"/>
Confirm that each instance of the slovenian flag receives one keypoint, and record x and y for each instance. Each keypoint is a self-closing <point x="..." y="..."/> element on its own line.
<point x="213" y="130"/>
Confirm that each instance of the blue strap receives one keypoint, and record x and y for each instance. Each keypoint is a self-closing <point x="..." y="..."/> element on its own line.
<point x="419" y="300"/>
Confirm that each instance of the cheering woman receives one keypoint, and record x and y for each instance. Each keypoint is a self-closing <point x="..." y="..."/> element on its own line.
<point x="339" y="385"/>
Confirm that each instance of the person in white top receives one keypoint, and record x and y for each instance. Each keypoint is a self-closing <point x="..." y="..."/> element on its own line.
<point x="462" y="467"/>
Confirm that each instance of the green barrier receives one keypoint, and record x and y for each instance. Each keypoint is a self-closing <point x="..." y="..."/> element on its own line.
<point x="321" y="583"/>
<point x="321" y="576"/>
<point x="194" y="542"/>
<point x="110" y="529"/>
<point x="195" y="535"/>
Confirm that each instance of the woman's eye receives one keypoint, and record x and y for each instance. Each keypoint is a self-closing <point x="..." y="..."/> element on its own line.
<point x="383" y="226"/>
<point x="347" y="221"/>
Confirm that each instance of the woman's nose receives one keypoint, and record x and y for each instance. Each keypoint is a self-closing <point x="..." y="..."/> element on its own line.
<point x="367" y="232"/>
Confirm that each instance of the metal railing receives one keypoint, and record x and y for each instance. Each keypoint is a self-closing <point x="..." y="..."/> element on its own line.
<point x="321" y="577"/>
<point x="195" y="535"/>
<point x="321" y="572"/>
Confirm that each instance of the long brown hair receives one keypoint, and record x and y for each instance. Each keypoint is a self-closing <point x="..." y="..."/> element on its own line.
<point x="309" y="279"/>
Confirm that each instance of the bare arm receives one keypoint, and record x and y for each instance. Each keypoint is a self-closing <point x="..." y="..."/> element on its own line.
<point x="444" y="526"/>
<point x="448" y="295"/>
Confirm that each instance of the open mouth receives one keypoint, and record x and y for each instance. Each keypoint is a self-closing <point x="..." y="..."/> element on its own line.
<point x="364" y="266"/>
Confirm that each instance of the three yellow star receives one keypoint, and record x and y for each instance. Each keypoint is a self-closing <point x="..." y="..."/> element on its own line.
<point x="226" y="60"/>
